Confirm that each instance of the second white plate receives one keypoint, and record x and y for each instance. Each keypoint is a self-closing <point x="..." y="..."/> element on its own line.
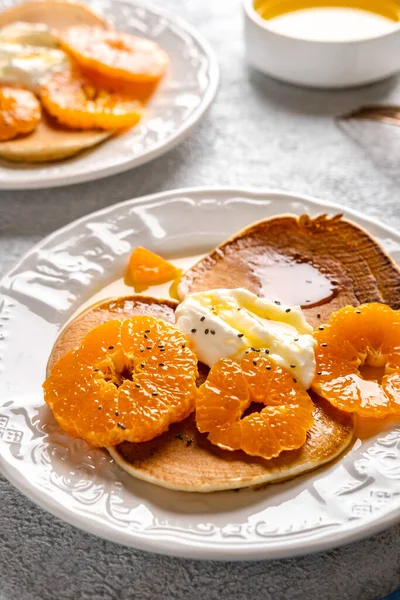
<point x="179" y="103"/>
<point x="351" y="498"/>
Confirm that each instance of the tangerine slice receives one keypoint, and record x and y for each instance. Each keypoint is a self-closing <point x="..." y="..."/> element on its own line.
<point x="366" y="335"/>
<point x="115" y="54"/>
<point x="19" y="112"/>
<point x="229" y="391"/>
<point x="128" y="381"/>
<point x="74" y="101"/>
<point x="140" y="90"/>
<point x="147" y="268"/>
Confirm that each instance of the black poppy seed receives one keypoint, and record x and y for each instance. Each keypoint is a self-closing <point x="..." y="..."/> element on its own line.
<point x="147" y="330"/>
<point x="212" y="331"/>
<point x="154" y="394"/>
<point x="206" y="331"/>
<point x="97" y="370"/>
<point x="193" y="330"/>
<point x="137" y="385"/>
<point x="239" y="309"/>
<point x="247" y="351"/>
<point x="294" y="379"/>
<point x="148" y="347"/>
<point x="142" y="365"/>
<point x="308" y="301"/>
<point x="116" y="413"/>
<point x="277" y="302"/>
<point x="358" y="312"/>
<point x="240" y="335"/>
<point x="266" y="351"/>
<point x="324" y="344"/>
<point x="318" y="315"/>
<point x="292" y="366"/>
<point x="161" y="365"/>
<point x="121" y="425"/>
<point x="160" y="346"/>
<point x="308" y="281"/>
<point x="321" y="328"/>
<point x="288" y="310"/>
<point x="145" y="336"/>
<point x="296" y="339"/>
<point x="111" y="347"/>
<point x="254" y="362"/>
<point x="202" y="319"/>
<point x="253" y="349"/>
<point x="99" y="407"/>
<point x="319" y="373"/>
<point x="162" y="349"/>
<point x="183" y="346"/>
<point x="268" y="368"/>
<point x="189" y="442"/>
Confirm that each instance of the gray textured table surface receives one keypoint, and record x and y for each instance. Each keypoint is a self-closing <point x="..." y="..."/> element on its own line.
<point x="258" y="133"/>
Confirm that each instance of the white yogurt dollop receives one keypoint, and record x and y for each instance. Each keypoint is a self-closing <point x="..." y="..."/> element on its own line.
<point x="28" y="52"/>
<point x="224" y="323"/>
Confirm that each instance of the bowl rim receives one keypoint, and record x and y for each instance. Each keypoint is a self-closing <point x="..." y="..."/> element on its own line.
<point x="256" y="19"/>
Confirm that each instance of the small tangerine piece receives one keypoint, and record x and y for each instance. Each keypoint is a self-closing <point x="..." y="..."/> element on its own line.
<point x="229" y="391"/>
<point x="147" y="268"/>
<point x="74" y="101"/>
<point x="19" y="112"/>
<point x="127" y="381"/>
<point x="353" y="337"/>
<point x="116" y="54"/>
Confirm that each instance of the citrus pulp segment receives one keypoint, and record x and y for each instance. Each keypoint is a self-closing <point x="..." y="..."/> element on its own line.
<point x="228" y="392"/>
<point x="368" y="335"/>
<point x="127" y="381"/>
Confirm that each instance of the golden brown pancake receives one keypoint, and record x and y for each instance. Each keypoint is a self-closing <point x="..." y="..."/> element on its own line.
<point x="320" y="263"/>
<point x="51" y="142"/>
<point x="182" y="458"/>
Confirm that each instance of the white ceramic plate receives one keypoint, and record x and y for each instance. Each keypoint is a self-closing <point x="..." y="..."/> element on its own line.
<point x="354" y="497"/>
<point x="179" y="103"/>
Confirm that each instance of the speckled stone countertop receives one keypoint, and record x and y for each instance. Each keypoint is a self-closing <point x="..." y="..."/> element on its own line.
<point x="258" y="133"/>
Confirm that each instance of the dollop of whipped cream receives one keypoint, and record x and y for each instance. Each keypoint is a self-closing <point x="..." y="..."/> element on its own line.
<point x="224" y="323"/>
<point x="29" y="52"/>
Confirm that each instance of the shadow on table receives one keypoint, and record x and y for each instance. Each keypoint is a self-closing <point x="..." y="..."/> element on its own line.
<point x="379" y="141"/>
<point x="39" y="212"/>
<point x="309" y="101"/>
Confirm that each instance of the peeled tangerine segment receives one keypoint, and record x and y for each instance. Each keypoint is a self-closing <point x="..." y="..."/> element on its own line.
<point x="74" y="101"/>
<point x="147" y="268"/>
<point x="353" y="337"/>
<point x="115" y="54"/>
<point x="19" y="112"/>
<point x="128" y="381"/>
<point x="229" y="391"/>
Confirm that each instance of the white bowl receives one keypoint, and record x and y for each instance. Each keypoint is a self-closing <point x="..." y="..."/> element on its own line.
<point x="321" y="64"/>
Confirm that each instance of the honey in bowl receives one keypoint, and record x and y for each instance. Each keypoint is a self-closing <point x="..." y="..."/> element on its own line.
<point x="330" y="20"/>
